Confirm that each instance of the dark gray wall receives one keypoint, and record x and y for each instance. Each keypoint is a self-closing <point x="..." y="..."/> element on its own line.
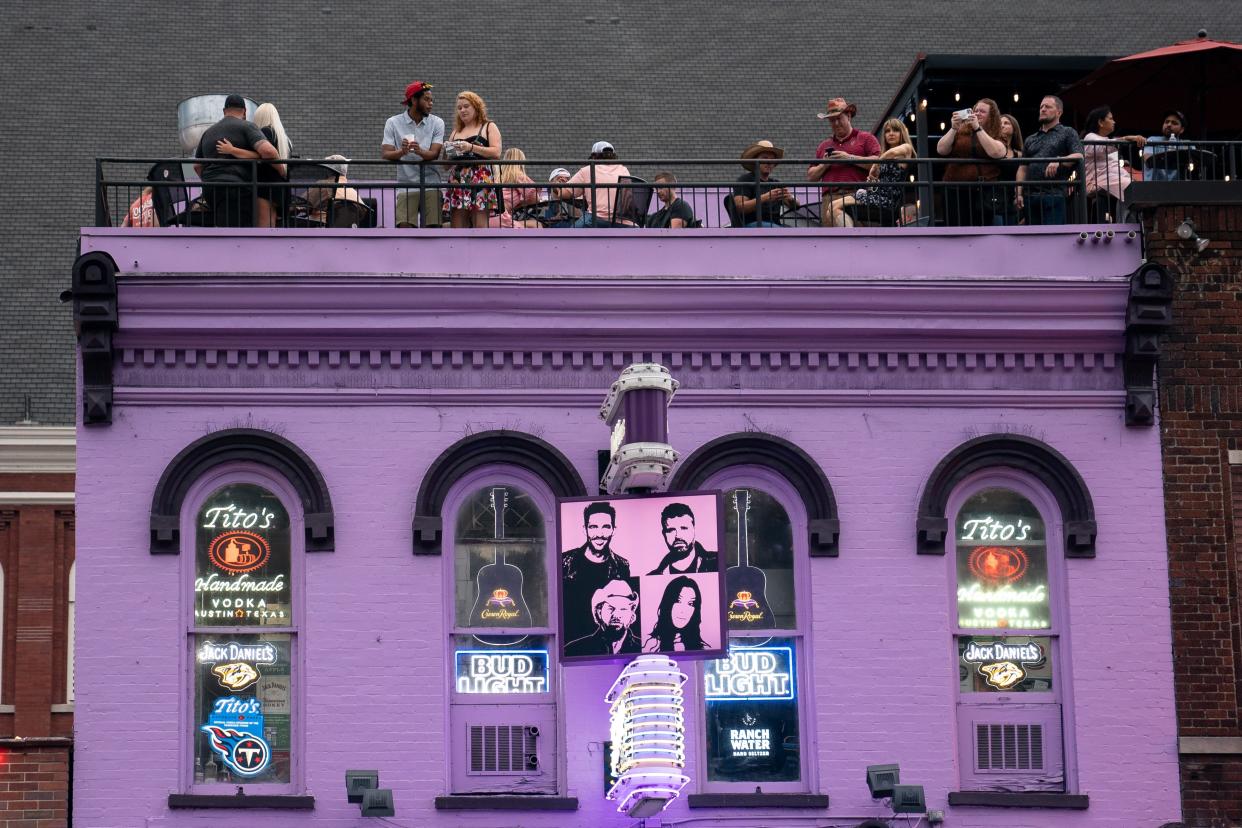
<point x="690" y="78"/>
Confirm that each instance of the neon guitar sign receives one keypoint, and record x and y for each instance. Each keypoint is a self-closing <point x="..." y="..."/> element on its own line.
<point x="499" y="601"/>
<point x="747" y="585"/>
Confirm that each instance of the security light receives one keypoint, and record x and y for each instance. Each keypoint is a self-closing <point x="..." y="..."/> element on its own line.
<point x="358" y="782"/>
<point x="909" y="799"/>
<point x="378" y="803"/>
<point x="1186" y="232"/>
<point x="881" y="779"/>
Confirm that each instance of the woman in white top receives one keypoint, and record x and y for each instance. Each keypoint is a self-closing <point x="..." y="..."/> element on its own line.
<point x="1106" y="174"/>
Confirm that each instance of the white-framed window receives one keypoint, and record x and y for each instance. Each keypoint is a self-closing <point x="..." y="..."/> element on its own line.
<point x="242" y="526"/>
<point x="754" y="709"/>
<point x="502" y="635"/>
<point x="1010" y="635"/>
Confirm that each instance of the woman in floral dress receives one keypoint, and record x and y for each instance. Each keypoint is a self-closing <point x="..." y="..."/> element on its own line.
<point x="474" y="138"/>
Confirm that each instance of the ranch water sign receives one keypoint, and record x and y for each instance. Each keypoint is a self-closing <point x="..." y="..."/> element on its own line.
<point x="242" y="558"/>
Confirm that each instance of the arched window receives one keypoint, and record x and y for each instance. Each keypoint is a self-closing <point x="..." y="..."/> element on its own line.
<point x="245" y="527"/>
<point x="755" y="717"/>
<point x="1010" y="635"/>
<point x="503" y="722"/>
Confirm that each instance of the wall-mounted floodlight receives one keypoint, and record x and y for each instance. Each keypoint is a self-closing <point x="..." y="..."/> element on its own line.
<point x="359" y="781"/>
<point x="909" y="799"/>
<point x="378" y="803"/>
<point x="881" y="779"/>
<point x="1186" y="232"/>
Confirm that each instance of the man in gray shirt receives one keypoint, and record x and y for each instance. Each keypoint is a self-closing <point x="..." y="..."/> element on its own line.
<point x="416" y="135"/>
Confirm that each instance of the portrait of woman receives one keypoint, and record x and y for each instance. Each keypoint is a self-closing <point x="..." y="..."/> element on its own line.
<point x="678" y="619"/>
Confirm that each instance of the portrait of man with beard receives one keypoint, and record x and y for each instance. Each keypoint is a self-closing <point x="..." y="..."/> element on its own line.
<point x="614" y="607"/>
<point x="586" y="568"/>
<point x="685" y="554"/>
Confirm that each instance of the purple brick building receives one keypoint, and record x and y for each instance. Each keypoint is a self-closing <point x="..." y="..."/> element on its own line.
<point x="287" y="441"/>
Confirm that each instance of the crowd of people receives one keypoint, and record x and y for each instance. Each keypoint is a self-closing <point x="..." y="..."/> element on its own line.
<point x="992" y="175"/>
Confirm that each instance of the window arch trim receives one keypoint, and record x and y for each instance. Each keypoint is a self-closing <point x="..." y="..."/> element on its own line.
<point x="241" y="445"/>
<point x="1024" y="454"/>
<point x="489" y="448"/>
<point x="784" y="458"/>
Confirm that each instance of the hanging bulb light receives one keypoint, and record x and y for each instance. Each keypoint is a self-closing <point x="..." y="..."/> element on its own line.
<point x="1015" y="97"/>
<point x="957" y="96"/>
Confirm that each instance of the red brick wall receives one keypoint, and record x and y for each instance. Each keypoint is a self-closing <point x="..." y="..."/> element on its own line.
<point x="1201" y="421"/>
<point x="34" y="787"/>
<point x="36" y="551"/>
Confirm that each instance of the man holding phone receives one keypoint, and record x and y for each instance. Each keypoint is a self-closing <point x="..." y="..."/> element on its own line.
<point x="844" y="144"/>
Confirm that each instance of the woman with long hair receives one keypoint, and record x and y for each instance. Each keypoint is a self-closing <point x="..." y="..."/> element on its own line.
<point x="1007" y="212"/>
<point x="513" y="193"/>
<point x="474" y="138"/>
<point x="272" y="200"/>
<point x="1103" y="168"/>
<point x="678" y="619"/>
<point x="888" y="194"/>
<point x="976" y="138"/>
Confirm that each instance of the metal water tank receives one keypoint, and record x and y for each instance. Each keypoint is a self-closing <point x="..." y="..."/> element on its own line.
<point x="196" y="113"/>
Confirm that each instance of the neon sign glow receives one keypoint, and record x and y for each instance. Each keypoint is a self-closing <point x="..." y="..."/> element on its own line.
<point x="512" y="671"/>
<point x="238" y="551"/>
<point x="988" y="528"/>
<point x="751" y="674"/>
<point x="648" y="735"/>
<point x="234" y="729"/>
<point x="1002" y="664"/>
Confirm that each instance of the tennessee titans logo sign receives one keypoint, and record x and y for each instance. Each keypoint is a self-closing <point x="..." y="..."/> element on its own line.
<point x="244" y="753"/>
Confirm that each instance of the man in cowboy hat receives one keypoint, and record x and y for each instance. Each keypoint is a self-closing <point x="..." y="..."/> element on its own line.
<point x="416" y="135"/>
<point x="845" y="144"/>
<point x="759" y="204"/>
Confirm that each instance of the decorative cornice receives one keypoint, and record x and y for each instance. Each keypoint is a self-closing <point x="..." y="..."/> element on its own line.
<point x="247" y="445"/>
<point x="95" y="319"/>
<point x="1013" y="451"/>
<point x="590" y="397"/>
<point x="1149" y="313"/>
<point x="37" y="449"/>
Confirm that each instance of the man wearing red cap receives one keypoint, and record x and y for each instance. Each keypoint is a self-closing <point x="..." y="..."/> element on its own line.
<point x="844" y="144"/>
<point x="416" y="136"/>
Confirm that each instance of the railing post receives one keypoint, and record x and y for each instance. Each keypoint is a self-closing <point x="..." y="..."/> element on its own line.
<point x="101" y="212"/>
<point x="1080" y="192"/>
<point x="254" y="190"/>
<point x="421" y="220"/>
<point x="593" y="207"/>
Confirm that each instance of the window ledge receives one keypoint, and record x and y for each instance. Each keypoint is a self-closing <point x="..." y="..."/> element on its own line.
<point x="281" y="801"/>
<point x="63" y="708"/>
<point x="757" y="800"/>
<point x="8" y="708"/>
<point x="1007" y="799"/>
<point x="517" y="802"/>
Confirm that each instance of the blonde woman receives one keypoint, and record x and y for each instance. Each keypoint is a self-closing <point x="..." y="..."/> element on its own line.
<point x="514" y="195"/>
<point x="474" y="138"/>
<point x="888" y="194"/>
<point x="271" y="199"/>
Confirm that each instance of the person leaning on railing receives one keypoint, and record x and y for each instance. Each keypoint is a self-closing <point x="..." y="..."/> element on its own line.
<point x="232" y="205"/>
<point x="1011" y="135"/>
<point x="272" y="199"/>
<point x="1104" y="170"/>
<point x="1046" y="182"/>
<point x="976" y="137"/>
<point x="474" y="138"/>
<point x="759" y="204"/>
<point x="417" y="136"/>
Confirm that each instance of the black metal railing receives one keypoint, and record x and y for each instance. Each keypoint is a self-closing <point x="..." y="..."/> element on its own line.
<point x="909" y="192"/>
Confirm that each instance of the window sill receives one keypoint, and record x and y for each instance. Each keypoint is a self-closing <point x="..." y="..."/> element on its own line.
<point x="63" y="708"/>
<point x="757" y="800"/>
<point x="8" y="708"/>
<point x="520" y="802"/>
<point x="280" y="801"/>
<point x="998" y="799"/>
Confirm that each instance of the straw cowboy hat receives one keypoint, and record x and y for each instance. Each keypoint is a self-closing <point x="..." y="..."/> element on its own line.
<point x="761" y="148"/>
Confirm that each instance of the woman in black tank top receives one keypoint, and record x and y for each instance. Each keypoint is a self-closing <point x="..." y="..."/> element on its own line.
<point x="474" y="138"/>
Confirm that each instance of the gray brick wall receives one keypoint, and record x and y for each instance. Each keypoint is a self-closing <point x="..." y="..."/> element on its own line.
<point x="689" y="78"/>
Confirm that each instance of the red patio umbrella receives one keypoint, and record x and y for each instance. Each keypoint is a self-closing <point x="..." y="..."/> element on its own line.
<point x="1200" y="77"/>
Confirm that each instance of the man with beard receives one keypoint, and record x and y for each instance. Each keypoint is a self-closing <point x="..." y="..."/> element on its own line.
<point x="685" y="554"/>
<point x="1046" y="181"/>
<point x="588" y="567"/>
<point x="614" y="607"/>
